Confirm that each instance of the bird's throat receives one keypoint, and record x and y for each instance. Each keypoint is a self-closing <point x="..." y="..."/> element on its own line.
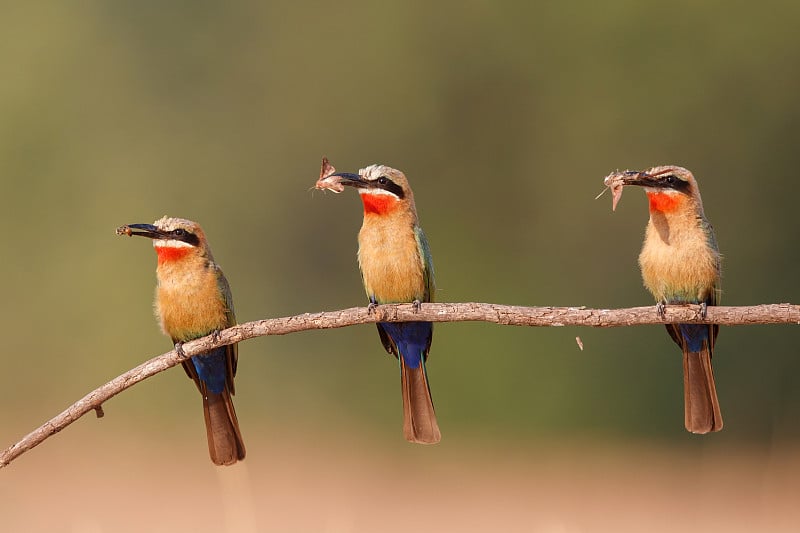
<point x="168" y="254"/>
<point x="664" y="202"/>
<point x="379" y="204"/>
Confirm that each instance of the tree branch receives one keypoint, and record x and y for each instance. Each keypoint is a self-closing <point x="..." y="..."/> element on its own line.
<point x="433" y="312"/>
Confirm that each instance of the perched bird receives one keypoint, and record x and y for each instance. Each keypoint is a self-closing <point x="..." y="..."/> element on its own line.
<point x="193" y="299"/>
<point x="396" y="267"/>
<point x="680" y="264"/>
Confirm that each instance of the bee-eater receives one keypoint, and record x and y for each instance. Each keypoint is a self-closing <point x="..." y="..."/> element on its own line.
<point x="193" y="299"/>
<point x="680" y="264"/>
<point x="396" y="267"/>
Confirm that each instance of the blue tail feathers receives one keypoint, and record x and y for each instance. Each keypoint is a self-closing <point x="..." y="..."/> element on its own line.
<point x="694" y="335"/>
<point x="411" y="338"/>
<point x="212" y="368"/>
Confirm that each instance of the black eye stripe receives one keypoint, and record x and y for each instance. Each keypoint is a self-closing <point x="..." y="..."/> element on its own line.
<point x="388" y="185"/>
<point x="671" y="181"/>
<point x="183" y="235"/>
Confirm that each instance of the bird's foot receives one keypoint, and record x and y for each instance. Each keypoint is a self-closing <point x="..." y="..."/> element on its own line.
<point x="179" y="349"/>
<point x="661" y="310"/>
<point x="703" y="310"/>
<point x="371" y="308"/>
<point x="215" y="335"/>
<point x="417" y="305"/>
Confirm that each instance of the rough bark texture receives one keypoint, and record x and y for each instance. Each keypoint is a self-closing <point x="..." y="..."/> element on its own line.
<point x="434" y="312"/>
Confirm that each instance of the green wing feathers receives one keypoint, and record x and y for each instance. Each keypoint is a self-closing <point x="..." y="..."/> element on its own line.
<point x="232" y="349"/>
<point x="427" y="264"/>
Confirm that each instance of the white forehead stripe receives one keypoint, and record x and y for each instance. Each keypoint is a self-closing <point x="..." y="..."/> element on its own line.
<point x="374" y="172"/>
<point x="168" y="224"/>
<point x="170" y="243"/>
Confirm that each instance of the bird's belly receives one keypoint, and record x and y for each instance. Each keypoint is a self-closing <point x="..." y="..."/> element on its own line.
<point x="188" y="311"/>
<point x="391" y="267"/>
<point x="684" y="270"/>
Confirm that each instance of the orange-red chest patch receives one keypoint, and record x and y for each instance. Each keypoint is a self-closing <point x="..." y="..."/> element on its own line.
<point x="664" y="202"/>
<point x="379" y="204"/>
<point x="167" y="254"/>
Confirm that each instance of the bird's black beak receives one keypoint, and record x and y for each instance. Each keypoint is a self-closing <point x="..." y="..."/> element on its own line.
<point x="146" y="230"/>
<point x="637" y="177"/>
<point x="353" y="180"/>
<point x="663" y="179"/>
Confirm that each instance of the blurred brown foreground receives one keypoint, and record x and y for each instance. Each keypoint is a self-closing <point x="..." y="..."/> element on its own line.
<point x="293" y="482"/>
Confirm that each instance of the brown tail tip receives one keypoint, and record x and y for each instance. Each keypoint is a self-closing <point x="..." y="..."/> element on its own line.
<point x="701" y="406"/>
<point x="419" y="418"/>
<point x="225" y="444"/>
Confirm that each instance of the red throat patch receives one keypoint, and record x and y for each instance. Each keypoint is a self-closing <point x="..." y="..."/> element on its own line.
<point x="379" y="204"/>
<point x="664" y="202"/>
<point x="167" y="253"/>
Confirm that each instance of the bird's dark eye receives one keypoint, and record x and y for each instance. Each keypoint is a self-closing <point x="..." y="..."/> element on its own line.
<point x="383" y="180"/>
<point x="670" y="179"/>
<point x="180" y="232"/>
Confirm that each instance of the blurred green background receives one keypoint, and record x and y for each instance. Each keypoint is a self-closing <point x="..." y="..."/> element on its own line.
<point x="505" y="116"/>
